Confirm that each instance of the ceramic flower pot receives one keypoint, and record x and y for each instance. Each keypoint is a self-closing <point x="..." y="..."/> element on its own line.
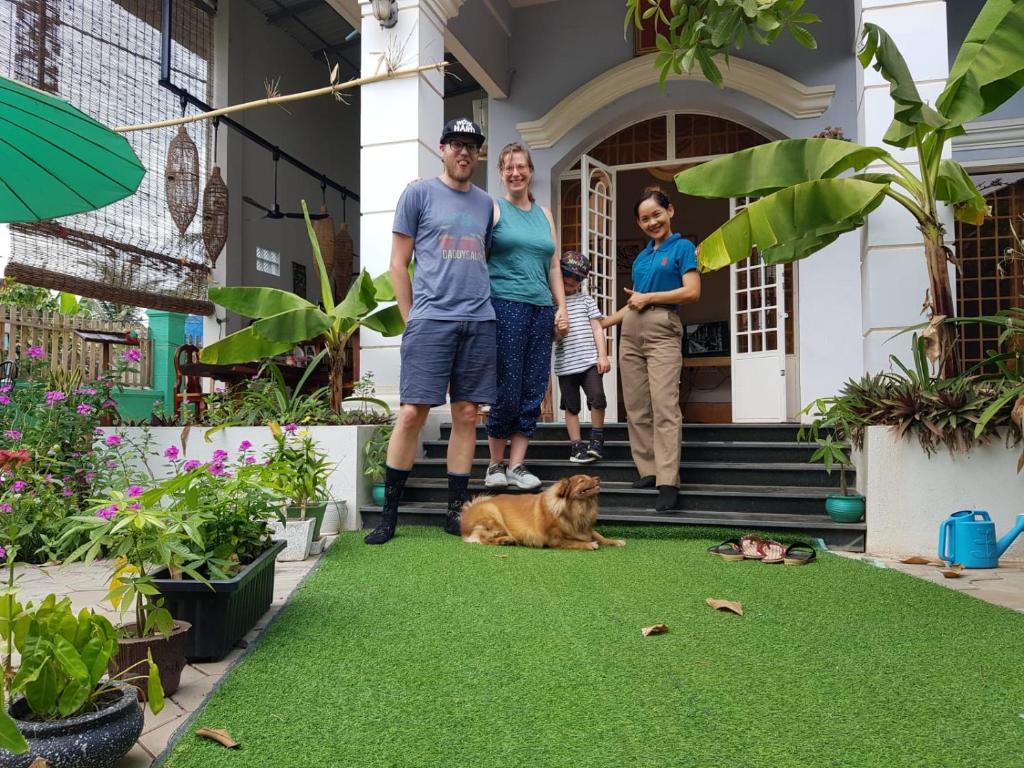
<point x="845" y="509"/>
<point x="377" y="494"/>
<point x="314" y="511"/>
<point x="298" y="535"/>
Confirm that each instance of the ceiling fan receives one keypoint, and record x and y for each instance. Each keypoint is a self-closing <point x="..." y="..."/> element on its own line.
<point x="276" y="212"/>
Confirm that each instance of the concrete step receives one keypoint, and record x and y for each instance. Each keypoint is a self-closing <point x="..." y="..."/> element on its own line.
<point x="785" y="432"/>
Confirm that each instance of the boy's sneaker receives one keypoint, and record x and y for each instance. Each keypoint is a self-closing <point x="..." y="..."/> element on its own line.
<point x="520" y="477"/>
<point x="495" y="477"/>
<point x="578" y="453"/>
<point x="596" y="449"/>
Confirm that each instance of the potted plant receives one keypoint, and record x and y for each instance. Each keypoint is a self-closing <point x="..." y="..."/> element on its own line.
<point x="831" y="430"/>
<point x="303" y="472"/>
<point x="375" y="456"/>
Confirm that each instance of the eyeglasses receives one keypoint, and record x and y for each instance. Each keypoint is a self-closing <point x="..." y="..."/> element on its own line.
<point x="457" y="146"/>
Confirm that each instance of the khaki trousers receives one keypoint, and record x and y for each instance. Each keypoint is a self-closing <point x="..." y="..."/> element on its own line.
<point x="650" y="361"/>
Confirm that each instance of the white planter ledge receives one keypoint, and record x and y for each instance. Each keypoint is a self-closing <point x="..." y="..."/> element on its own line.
<point x="909" y="494"/>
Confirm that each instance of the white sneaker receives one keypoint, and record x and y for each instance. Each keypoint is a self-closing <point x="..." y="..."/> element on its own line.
<point x="520" y="477"/>
<point x="495" y="477"/>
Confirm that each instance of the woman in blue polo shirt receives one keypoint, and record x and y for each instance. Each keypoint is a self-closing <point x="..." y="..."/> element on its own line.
<point x="650" y="346"/>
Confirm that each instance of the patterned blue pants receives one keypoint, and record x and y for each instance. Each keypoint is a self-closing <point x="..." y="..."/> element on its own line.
<point x="524" y="333"/>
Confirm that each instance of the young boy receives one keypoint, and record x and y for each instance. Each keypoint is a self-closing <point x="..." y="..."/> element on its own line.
<point x="581" y="358"/>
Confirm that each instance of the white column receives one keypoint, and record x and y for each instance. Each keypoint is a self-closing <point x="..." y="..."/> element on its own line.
<point x="894" y="273"/>
<point x="401" y="122"/>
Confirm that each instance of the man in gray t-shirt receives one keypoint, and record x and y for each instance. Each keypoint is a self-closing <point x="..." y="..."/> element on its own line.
<point x="448" y="348"/>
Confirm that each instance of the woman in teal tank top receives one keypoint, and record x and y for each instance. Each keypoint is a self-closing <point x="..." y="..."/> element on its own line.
<point x="528" y="296"/>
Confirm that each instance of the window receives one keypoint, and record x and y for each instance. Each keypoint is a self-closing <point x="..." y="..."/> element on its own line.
<point x="268" y="260"/>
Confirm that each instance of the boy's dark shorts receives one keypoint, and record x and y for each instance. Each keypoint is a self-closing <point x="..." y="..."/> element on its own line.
<point x="590" y="381"/>
<point x="453" y="357"/>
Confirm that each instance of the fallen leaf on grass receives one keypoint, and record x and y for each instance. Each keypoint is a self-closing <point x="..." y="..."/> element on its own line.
<point x="220" y="735"/>
<point x="654" y="629"/>
<point x="725" y="605"/>
<point x="953" y="572"/>
<point x="915" y="560"/>
<point x="41" y="762"/>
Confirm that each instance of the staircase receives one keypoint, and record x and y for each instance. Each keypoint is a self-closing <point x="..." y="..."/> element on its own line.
<point x="734" y="475"/>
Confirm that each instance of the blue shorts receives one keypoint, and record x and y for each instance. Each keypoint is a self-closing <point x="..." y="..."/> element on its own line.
<point x="457" y="357"/>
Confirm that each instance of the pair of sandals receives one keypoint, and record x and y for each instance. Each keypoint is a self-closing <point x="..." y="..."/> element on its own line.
<point x="765" y="550"/>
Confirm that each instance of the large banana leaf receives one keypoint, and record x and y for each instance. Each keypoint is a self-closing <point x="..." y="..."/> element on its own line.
<point x="360" y="299"/>
<point x="954" y="186"/>
<point x="388" y="321"/>
<point x="911" y="111"/>
<point x="792" y="223"/>
<point x="256" y="302"/>
<point x="296" y="326"/>
<point x="326" y="295"/>
<point x="770" y="167"/>
<point x="243" y="346"/>
<point x="989" y="68"/>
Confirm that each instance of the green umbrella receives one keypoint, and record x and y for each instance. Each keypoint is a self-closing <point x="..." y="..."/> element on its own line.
<point x="55" y="160"/>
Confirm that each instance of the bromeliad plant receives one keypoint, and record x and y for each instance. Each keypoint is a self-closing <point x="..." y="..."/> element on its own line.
<point x="284" y="320"/>
<point x="806" y="201"/>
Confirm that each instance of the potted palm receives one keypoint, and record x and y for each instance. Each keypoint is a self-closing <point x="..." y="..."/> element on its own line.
<point x="303" y="472"/>
<point x="831" y="430"/>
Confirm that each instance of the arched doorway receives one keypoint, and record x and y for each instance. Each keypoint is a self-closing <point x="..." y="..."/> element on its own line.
<point x="744" y="324"/>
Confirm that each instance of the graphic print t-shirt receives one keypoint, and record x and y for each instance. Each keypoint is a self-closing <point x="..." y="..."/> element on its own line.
<point x="450" y="231"/>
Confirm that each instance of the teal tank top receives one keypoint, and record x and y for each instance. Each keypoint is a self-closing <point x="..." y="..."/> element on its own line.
<point x="521" y="251"/>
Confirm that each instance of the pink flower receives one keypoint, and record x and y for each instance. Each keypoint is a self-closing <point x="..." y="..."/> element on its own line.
<point x="67" y="492"/>
<point x="84" y="408"/>
<point x="19" y="486"/>
<point x="291" y="427"/>
<point x="219" y="455"/>
<point x="6" y="388"/>
<point x="110" y="403"/>
<point x="107" y="512"/>
<point x="5" y="400"/>
<point x="3" y="553"/>
<point x="54" y="396"/>
<point x="217" y="469"/>
<point x="99" y="431"/>
<point x="245" y="445"/>
<point x="13" y="434"/>
<point x="111" y="465"/>
<point x="89" y="477"/>
<point x="250" y="459"/>
<point x="135" y="505"/>
<point x="191" y="464"/>
<point x="85" y="391"/>
<point x="6" y="508"/>
<point x="113" y="440"/>
<point x="171" y="452"/>
<point x="48" y="478"/>
<point x="134" y="490"/>
<point x="35" y="352"/>
<point x="218" y="390"/>
<point x="132" y="355"/>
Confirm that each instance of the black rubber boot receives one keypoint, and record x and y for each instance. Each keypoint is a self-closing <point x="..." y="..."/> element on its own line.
<point x="668" y="495"/>
<point x="394" y="484"/>
<point x="647" y="481"/>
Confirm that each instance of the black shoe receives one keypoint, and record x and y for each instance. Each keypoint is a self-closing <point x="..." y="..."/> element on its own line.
<point x="668" y="495"/>
<point x="453" y="522"/>
<point x="578" y="453"/>
<point x="596" y="449"/>
<point x="647" y="481"/>
<point x="385" y="530"/>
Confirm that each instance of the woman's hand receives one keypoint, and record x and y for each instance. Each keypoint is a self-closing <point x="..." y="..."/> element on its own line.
<point x="562" y="321"/>
<point x="637" y="301"/>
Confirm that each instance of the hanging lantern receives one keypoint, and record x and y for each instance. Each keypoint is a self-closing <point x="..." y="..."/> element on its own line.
<point x="181" y="179"/>
<point x="344" y="252"/>
<point x="324" y="230"/>
<point x="215" y="215"/>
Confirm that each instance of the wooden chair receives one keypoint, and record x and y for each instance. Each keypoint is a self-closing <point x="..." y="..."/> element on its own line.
<point x="8" y="373"/>
<point x="187" y="389"/>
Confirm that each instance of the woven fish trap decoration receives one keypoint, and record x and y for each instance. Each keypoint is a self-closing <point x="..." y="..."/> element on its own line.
<point x="181" y="179"/>
<point x="344" y="254"/>
<point x="324" y="230"/>
<point x="215" y="215"/>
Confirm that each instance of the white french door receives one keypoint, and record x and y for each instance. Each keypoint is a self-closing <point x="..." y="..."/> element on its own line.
<point x="757" y="323"/>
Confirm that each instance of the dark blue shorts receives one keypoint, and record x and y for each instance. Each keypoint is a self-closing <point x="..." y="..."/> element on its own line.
<point x="457" y="357"/>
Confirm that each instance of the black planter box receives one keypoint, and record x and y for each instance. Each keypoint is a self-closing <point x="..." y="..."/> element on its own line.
<point x="222" y="612"/>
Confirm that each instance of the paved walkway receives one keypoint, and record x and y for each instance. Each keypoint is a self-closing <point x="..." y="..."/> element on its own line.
<point x="86" y="585"/>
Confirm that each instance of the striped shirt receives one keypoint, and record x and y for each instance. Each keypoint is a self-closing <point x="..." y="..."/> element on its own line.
<point x="577" y="351"/>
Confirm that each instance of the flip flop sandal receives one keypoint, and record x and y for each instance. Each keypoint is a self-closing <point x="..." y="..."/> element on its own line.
<point x="799" y="554"/>
<point x="729" y="549"/>
<point x="773" y="552"/>
<point x="753" y="547"/>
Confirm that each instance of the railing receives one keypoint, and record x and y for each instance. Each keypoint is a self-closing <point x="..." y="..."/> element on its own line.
<point x="55" y="333"/>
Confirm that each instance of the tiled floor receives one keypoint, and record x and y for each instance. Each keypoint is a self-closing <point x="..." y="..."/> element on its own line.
<point x="86" y="586"/>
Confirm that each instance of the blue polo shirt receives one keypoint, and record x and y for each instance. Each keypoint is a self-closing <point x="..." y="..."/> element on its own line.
<point x="663" y="269"/>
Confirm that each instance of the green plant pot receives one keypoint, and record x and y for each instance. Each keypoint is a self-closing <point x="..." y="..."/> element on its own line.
<point x="845" y="509"/>
<point x="377" y="494"/>
<point x="315" y="511"/>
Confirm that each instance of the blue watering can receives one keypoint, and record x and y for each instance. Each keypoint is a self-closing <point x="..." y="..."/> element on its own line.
<point x="968" y="537"/>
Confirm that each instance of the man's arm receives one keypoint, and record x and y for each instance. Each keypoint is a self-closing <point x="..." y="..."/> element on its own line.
<point x="401" y="255"/>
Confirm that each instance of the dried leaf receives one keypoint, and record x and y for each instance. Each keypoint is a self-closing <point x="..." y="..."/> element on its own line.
<point x="725" y="605"/>
<point x="41" y="762"/>
<point x="334" y="73"/>
<point x="953" y="572"/>
<point x="1017" y="414"/>
<point x="930" y="335"/>
<point x="220" y="735"/>
<point x="915" y="560"/>
<point x="654" y="629"/>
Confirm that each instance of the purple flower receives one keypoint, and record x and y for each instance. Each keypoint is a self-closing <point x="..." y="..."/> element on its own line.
<point x="13" y="434"/>
<point x="291" y="428"/>
<point x="191" y="464"/>
<point x="250" y="459"/>
<point x="245" y="445"/>
<point x="107" y="512"/>
<point x="35" y="352"/>
<point x="135" y="505"/>
<point x="110" y="403"/>
<point x="113" y="440"/>
<point x="218" y="390"/>
<point x="132" y="355"/>
<point x="171" y="452"/>
<point x="134" y="490"/>
<point x="111" y="465"/>
<point x="90" y="476"/>
<point x="219" y="455"/>
<point x="19" y="486"/>
<point x="5" y="400"/>
<point x="217" y="469"/>
<point x="48" y="478"/>
<point x="6" y="388"/>
<point x="54" y="396"/>
<point x="6" y="508"/>
<point x="3" y="553"/>
<point x="67" y="492"/>
<point x="85" y="391"/>
<point x="84" y="408"/>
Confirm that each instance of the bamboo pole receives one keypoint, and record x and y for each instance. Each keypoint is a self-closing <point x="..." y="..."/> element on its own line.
<point x="271" y="100"/>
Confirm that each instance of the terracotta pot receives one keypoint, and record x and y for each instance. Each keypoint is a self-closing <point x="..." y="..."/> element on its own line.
<point x="168" y="655"/>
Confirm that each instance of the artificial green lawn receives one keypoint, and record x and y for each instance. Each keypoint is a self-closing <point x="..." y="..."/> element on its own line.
<point x="431" y="652"/>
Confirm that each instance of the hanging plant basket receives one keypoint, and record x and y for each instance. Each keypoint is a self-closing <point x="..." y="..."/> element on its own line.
<point x="181" y="179"/>
<point x="344" y="254"/>
<point x="215" y="215"/>
<point x="324" y="230"/>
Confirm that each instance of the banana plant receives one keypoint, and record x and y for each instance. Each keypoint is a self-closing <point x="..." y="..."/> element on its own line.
<point x="284" y="319"/>
<point x="805" y="200"/>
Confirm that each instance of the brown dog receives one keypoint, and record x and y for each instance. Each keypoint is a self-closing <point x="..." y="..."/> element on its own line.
<point x="561" y="517"/>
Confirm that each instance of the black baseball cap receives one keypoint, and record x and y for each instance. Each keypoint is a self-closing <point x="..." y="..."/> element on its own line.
<point x="462" y="128"/>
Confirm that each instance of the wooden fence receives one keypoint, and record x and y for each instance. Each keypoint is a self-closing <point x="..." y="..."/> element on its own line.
<point x="55" y="333"/>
